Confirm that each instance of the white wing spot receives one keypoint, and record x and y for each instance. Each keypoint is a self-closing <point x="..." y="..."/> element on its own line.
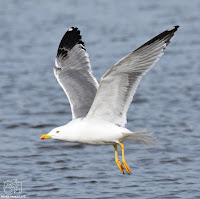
<point x="171" y="28"/>
<point x="56" y="64"/>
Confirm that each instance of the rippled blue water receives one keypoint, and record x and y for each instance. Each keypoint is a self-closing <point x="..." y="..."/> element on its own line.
<point x="166" y="103"/>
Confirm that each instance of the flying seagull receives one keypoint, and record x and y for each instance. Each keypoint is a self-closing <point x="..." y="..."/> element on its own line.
<point x="99" y="110"/>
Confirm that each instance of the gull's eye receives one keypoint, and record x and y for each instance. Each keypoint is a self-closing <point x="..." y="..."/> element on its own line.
<point x="57" y="131"/>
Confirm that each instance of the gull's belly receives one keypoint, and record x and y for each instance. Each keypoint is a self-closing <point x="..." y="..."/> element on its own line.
<point x="93" y="132"/>
<point x="100" y="138"/>
<point x="100" y="134"/>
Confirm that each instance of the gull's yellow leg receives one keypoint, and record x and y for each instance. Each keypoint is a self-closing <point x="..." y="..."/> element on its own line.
<point x="123" y="159"/>
<point x="117" y="160"/>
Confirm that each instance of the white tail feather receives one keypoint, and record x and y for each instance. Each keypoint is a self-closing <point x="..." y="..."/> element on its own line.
<point x="141" y="136"/>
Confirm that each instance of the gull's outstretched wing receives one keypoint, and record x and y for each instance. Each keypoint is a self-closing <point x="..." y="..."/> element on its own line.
<point x="73" y="72"/>
<point x="118" y="85"/>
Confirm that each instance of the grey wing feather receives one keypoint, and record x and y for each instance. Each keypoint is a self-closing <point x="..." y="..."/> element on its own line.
<point x="119" y="84"/>
<point x="73" y="72"/>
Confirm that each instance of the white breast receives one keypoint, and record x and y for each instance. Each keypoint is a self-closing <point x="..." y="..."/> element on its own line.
<point x="94" y="132"/>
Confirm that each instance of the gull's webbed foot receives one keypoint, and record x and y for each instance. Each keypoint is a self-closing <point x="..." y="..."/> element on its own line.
<point x="126" y="166"/>
<point x="121" y="168"/>
<point x="123" y="159"/>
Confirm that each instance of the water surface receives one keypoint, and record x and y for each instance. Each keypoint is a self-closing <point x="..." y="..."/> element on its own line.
<point x="166" y="102"/>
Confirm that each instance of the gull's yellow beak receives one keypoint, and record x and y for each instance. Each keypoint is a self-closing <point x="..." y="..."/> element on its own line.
<point x="45" y="136"/>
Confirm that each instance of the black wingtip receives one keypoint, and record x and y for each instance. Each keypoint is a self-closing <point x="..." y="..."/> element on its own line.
<point x="173" y="29"/>
<point x="69" y="40"/>
<point x="166" y="35"/>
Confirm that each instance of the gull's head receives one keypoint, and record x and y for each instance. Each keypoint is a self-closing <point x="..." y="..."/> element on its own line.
<point x="54" y="134"/>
